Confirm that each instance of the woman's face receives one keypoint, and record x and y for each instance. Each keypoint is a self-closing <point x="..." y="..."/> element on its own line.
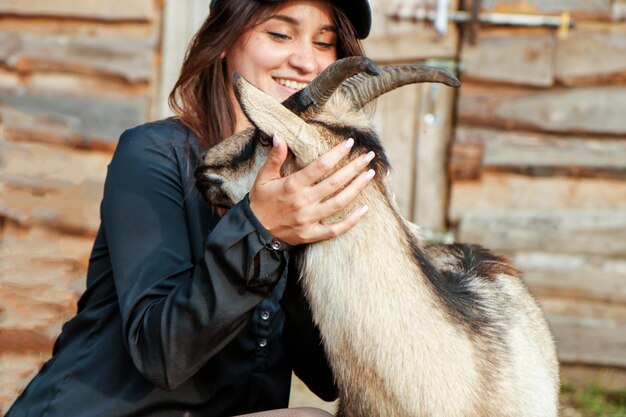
<point x="285" y="52"/>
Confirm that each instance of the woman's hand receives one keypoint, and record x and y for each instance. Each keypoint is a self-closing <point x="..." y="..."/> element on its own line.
<point x="293" y="208"/>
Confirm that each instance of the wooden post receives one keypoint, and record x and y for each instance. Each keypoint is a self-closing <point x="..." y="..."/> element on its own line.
<point x="433" y="139"/>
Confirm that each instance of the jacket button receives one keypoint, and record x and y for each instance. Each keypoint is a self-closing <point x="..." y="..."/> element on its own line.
<point x="275" y="244"/>
<point x="262" y="342"/>
<point x="265" y="315"/>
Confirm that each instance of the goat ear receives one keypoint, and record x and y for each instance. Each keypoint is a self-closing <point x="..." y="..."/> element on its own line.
<point x="271" y="117"/>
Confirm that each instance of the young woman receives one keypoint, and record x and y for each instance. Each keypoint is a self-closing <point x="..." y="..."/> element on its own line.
<point x="182" y="314"/>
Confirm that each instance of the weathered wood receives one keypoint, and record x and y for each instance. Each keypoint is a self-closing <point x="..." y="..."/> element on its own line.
<point x="78" y="119"/>
<point x="46" y="185"/>
<point x="45" y="246"/>
<point x="395" y="121"/>
<point x="578" y="8"/>
<point x="466" y="161"/>
<point x="593" y="110"/>
<point x="574" y="277"/>
<point x="129" y="59"/>
<point x="517" y="56"/>
<point x="46" y="166"/>
<point x="406" y="47"/>
<point x="593" y="53"/>
<point x="619" y="10"/>
<point x="392" y="41"/>
<point x="16" y="369"/>
<point x="433" y="137"/>
<point x="85" y="9"/>
<point x="71" y="209"/>
<point x="587" y="332"/>
<point x="477" y="149"/>
<point x="593" y="232"/>
<point x="588" y="340"/>
<point x="607" y="377"/>
<point x="497" y="192"/>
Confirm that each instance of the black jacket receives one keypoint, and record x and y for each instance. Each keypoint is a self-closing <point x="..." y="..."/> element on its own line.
<point x="177" y="319"/>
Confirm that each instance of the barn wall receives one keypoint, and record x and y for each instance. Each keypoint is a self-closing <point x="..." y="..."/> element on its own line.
<point x="73" y="76"/>
<point x="538" y="168"/>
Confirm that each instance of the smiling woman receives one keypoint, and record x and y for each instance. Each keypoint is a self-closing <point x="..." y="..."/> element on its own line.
<point x="189" y="310"/>
<point x="282" y="54"/>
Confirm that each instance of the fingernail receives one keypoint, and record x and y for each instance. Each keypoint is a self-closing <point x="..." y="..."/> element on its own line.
<point x="275" y="140"/>
<point x="349" y="143"/>
<point x="362" y="211"/>
<point x="370" y="174"/>
<point x="368" y="157"/>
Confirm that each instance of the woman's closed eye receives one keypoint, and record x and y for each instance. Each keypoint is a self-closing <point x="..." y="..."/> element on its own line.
<point x="279" y="36"/>
<point x="325" y="45"/>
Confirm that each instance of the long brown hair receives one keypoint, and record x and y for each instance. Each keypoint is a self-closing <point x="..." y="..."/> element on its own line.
<point x="200" y="98"/>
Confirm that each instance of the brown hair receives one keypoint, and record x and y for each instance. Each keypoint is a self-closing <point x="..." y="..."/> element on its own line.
<point x="200" y="98"/>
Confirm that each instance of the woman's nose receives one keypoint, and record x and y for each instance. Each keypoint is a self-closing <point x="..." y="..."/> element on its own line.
<point x="303" y="58"/>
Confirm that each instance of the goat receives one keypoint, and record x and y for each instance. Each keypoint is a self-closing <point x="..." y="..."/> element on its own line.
<point x="409" y="329"/>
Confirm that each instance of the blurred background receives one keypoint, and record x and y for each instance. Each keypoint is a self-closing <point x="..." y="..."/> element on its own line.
<point x="527" y="158"/>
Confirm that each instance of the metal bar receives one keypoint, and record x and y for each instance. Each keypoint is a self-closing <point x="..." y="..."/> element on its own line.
<point x="507" y="19"/>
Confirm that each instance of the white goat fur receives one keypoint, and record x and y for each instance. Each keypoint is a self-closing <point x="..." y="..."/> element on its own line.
<point x="396" y="346"/>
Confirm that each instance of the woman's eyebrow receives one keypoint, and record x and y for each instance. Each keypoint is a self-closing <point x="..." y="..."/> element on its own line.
<point x="293" y="21"/>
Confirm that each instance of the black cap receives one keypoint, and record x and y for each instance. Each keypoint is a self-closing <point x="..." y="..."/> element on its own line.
<point x="358" y="11"/>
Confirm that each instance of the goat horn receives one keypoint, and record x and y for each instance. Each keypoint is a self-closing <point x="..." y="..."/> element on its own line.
<point x="361" y="89"/>
<point x="311" y="100"/>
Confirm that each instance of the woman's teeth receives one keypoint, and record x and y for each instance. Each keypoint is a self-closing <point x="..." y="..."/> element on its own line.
<point x="294" y="85"/>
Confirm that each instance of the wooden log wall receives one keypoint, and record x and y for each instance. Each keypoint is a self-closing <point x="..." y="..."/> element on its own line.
<point x="538" y="168"/>
<point x="73" y="76"/>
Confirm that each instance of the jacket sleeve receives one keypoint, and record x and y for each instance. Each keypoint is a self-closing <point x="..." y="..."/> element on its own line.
<point x="302" y="340"/>
<point x="178" y="312"/>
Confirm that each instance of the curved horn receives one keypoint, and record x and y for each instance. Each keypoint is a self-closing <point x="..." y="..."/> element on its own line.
<point x="361" y="89"/>
<point x="310" y="101"/>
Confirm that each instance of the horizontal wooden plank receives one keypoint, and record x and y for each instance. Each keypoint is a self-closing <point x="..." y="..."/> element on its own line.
<point x="82" y="119"/>
<point x="592" y="53"/>
<point x="592" y="232"/>
<point x="17" y="369"/>
<point x="606" y="377"/>
<point x="572" y="277"/>
<point x="589" y="110"/>
<point x="84" y="9"/>
<point x="132" y="59"/>
<point x="393" y="41"/>
<point x="587" y="332"/>
<point x="475" y="150"/>
<point x="422" y="44"/>
<point x="72" y="209"/>
<point x="45" y="246"/>
<point x="589" y="341"/>
<point x="578" y="8"/>
<point x="511" y="56"/>
<point x="382" y="24"/>
<point x="499" y="192"/>
<point x="46" y="166"/>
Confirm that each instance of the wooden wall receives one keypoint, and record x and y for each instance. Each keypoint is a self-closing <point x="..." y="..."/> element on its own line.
<point x="538" y="167"/>
<point x="73" y="76"/>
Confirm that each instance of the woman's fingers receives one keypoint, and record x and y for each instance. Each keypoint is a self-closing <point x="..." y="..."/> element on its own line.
<point x="343" y="176"/>
<point x="326" y="162"/>
<point x="329" y="231"/>
<point x="342" y="199"/>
